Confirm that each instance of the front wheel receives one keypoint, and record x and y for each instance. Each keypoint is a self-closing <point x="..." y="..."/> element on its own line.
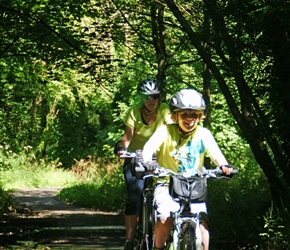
<point x="185" y="239"/>
<point x="189" y="241"/>
<point x="145" y="234"/>
<point x="150" y="223"/>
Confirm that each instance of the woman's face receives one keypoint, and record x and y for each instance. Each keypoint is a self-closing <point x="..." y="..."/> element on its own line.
<point x="188" y="119"/>
<point x="151" y="102"/>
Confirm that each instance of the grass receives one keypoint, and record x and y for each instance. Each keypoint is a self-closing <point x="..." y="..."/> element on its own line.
<point x="34" y="176"/>
<point x="100" y="186"/>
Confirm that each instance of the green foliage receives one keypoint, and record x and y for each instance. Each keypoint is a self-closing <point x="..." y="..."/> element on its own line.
<point x="23" y="170"/>
<point x="276" y="228"/>
<point x="237" y="207"/>
<point x="69" y="72"/>
<point x="21" y="90"/>
<point x="67" y="97"/>
<point x="104" y="192"/>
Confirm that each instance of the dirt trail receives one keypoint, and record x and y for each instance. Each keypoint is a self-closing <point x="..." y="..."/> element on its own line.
<point x="43" y="221"/>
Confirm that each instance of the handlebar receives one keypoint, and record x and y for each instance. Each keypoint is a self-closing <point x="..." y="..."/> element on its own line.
<point x="161" y="172"/>
<point x="216" y="173"/>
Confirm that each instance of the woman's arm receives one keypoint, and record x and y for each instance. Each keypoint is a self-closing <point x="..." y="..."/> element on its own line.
<point x="126" y="137"/>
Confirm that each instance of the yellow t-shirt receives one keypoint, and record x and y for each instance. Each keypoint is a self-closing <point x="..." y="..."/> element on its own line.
<point x="183" y="155"/>
<point x="143" y="132"/>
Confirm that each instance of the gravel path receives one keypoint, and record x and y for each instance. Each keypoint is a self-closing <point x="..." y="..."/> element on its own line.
<point x="43" y="222"/>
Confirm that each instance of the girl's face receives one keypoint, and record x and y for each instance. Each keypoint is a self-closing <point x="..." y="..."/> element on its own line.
<point x="151" y="102"/>
<point x="188" y="119"/>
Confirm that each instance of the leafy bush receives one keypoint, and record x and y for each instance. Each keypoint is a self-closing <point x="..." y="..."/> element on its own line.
<point x="236" y="209"/>
<point x="276" y="230"/>
<point x="105" y="192"/>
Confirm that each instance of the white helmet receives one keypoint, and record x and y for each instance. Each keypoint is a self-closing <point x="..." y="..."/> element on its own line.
<point x="187" y="99"/>
<point x="149" y="87"/>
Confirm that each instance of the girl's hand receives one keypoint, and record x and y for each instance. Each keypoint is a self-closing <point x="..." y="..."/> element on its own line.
<point x="227" y="169"/>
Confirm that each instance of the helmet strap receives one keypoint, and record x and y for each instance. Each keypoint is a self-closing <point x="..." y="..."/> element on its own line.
<point x="184" y="134"/>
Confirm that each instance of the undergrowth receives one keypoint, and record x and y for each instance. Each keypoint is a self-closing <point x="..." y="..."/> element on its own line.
<point x="242" y="214"/>
<point x="23" y="170"/>
<point x="101" y="186"/>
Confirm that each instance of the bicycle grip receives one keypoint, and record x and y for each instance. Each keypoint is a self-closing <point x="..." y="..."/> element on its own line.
<point x="233" y="172"/>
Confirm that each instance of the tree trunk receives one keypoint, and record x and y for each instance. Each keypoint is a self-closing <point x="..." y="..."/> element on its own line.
<point x="158" y="34"/>
<point x="279" y="189"/>
<point x="206" y="79"/>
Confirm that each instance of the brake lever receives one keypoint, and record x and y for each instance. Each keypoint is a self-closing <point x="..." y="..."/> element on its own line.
<point x="128" y="155"/>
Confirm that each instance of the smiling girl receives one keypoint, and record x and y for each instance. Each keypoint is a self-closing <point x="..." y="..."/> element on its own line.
<point x="182" y="147"/>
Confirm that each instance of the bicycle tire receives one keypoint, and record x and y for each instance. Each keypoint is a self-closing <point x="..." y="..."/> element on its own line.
<point x="150" y="223"/>
<point x="139" y="237"/>
<point x="145" y="241"/>
<point x="189" y="239"/>
<point x="141" y="232"/>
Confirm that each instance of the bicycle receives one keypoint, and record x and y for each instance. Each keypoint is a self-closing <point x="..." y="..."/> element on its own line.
<point x="186" y="233"/>
<point x="145" y="230"/>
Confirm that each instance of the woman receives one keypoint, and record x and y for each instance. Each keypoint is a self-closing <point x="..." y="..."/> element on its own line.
<point x="140" y="123"/>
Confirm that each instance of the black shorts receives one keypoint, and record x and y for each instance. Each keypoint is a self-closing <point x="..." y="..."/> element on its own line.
<point x="134" y="191"/>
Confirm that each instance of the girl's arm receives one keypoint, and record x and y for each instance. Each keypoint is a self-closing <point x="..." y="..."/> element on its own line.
<point x="153" y="143"/>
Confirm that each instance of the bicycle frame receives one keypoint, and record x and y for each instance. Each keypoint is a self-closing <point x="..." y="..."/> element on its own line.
<point x="145" y="241"/>
<point x="186" y="234"/>
<point x="145" y="230"/>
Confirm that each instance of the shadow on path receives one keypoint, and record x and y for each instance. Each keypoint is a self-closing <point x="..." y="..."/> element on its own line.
<point x="44" y="221"/>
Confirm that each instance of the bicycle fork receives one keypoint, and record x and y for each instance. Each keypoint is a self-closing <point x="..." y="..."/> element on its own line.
<point x="184" y="226"/>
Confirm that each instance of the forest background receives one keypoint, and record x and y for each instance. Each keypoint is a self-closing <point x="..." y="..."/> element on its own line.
<point x="69" y="71"/>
